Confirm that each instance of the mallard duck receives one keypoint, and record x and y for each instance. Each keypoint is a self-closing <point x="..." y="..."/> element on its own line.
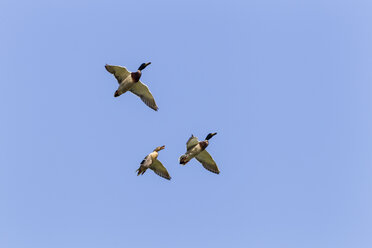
<point x="196" y="148"/>
<point x="130" y="81"/>
<point x="151" y="162"/>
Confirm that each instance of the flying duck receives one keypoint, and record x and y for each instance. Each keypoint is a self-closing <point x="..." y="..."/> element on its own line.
<point x="196" y="148"/>
<point x="151" y="162"/>
<point x="131" y="81"/>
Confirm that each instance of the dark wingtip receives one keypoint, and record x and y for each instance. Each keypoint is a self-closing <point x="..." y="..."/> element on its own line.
<point x="108" y="69"/>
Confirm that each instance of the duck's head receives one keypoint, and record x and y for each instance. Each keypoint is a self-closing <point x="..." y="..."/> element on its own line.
<point x="143" y="66"/>
<point x="210" y="135"/>
<point x="159" y="148"/>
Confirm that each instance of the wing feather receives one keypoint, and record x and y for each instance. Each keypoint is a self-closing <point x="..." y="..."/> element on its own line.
<point x="119" y="72"/>
<point x="207" y="161"/>
<point x="146" y="162"/>
<point x="140" y="89"/>
<point x="191" y="142"/>
<point x="159" y="169"/>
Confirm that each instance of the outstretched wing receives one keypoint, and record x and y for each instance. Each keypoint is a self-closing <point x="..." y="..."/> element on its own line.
<point x="140" y="89"/>
<point x="207" y="161"/>
<point x="159" y="169"/>
<point x="193" y="141"/>
<point x="119" y="72"/>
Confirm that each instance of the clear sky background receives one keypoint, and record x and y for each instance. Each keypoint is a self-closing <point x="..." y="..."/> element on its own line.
<point x="286" y="84"/>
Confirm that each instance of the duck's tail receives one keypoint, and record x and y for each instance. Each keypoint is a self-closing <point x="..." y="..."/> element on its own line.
<point x="184" y="159"/>
<point x="141" y="170"/>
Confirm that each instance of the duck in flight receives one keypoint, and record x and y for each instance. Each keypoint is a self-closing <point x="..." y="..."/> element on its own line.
<point x="151" y="162"/>
<point x="196" y="148"/>
<point x="130" y="81"/>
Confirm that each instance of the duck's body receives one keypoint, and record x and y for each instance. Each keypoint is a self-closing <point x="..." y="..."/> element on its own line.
<point x="130" y="81"/>
<point x="151" y="162"/>
<point x="196" y="149"/>
<point x="124" y="86"/>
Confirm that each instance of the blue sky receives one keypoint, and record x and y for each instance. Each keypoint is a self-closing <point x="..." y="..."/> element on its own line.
<point x="286" y="84"/>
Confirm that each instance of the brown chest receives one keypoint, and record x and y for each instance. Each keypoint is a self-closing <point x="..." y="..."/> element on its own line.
<point x="136" y="76"/>
<point x="203" y="144"/>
